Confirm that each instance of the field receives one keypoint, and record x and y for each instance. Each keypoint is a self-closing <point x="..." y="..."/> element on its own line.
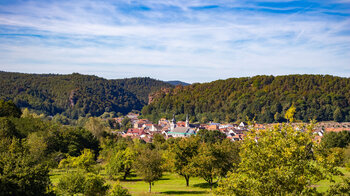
<point x="173" y="184"/>
<point x="169" y="184"/>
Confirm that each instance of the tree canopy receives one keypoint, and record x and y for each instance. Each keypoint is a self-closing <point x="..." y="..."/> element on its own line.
<point x="75" y="95"/>
<point x="279" y="161"/>
<point x="263" y="98"/>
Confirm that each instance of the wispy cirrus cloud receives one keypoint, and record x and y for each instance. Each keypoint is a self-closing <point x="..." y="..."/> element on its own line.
<point x="176" y="39"/>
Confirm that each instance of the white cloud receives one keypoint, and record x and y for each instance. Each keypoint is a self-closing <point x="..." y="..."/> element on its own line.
<point x="194" y="46"/>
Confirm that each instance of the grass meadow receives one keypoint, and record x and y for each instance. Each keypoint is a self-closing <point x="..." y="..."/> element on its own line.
<point x="173" y="184"/>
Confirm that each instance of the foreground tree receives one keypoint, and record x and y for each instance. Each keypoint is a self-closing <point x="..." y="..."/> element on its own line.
<point x="185" y="150"/>
<point x="149" y="166"/>
<point x="215" y="160"/>
<point x="121" y="162"/>
<point x="20" y="174"/>
<point x="278" y="161"/>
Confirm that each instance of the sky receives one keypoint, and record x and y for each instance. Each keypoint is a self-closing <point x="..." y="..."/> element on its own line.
<point x="191" y="41"/>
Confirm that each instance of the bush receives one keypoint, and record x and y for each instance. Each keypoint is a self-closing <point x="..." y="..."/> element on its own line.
<point x="118" y="190"/>
<point x="81" y="182"/>
<point x="71" y="183"/>
<point x="94" y="185"/>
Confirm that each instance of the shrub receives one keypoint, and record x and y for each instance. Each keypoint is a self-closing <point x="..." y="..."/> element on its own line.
<point x="94" y="185"/>
<point x="80" y="182"/>
<point x="71" y="183"/>
<point x="118" y="190"/>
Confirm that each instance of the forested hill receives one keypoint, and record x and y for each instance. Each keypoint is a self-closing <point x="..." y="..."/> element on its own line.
<point x="177" y="82"/>
<point x="76" y="95"/>
<point x="265" y="98"/>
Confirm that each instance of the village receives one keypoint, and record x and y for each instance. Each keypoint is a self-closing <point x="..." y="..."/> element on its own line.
<point x="144" y="129"/>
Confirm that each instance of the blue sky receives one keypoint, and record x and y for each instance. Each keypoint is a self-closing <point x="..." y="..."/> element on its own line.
<point x="192" y="41"/>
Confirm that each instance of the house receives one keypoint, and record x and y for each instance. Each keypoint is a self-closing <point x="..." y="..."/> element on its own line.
<point x="225" y="126"/>
<point x="163" y="122"/>
<point x="132" y="115"/>
<point x="242" y="125"/>
<point x="181" y="124"/>
<point x="181" y="132"/>
<point x="134" y="132"/>
<point x="152" y="127"/>
<point x="213" y="127"/>
<point x="140" y="123"/>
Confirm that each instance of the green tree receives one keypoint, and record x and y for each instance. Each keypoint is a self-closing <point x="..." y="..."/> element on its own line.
<point x="36" y="145"/>
<point x="149" y="166"/>
<point x="121" y="162"/>
<point x="211" y="136"/>
<point x="9" y="109"/>
<point x="95" y="126"/>
<point x="185" y="150"/>
<point x="215" y="160"/>
<point x="20" y="174"/>
<point x="126" y="123"/>
<point x="290" y="114"/>
<point x="336" y="139"/>
<point x="94" y="185"/>
<point x="338" y="115"/>
<point x="85" y="161"/>
<point x="80" y="182"/>
<point x="158" y="140"/>
<point x="278" y="161"/>
<point x="71" y="183"/>
<point x="7" y="128"/>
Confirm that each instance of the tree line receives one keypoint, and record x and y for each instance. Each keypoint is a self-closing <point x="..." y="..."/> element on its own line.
<point x="263" y="98"/>
<point x="76" y="95"/>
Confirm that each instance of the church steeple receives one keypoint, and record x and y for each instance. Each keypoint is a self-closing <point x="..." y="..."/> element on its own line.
<point x="187" y="122"/>
<point x="173" y="123"/>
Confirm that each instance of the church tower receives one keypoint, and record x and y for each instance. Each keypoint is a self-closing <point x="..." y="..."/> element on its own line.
<point x="173" y="123"/>
<point x="187" y="122"/>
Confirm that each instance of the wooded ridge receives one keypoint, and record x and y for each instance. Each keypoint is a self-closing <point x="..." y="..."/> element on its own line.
<point x="263" y="98"/>
<point x="75" y="94"/>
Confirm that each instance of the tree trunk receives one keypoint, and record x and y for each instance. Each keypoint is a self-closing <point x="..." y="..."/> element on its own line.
<point x="124" y="177"/>
<point x="211" y="184"/>
<point x="150" y="186"/>
<point x="187" y="180"/>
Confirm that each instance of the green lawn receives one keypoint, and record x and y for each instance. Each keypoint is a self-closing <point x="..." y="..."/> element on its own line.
<point x="173" y="184"/>
<point x="169" y="184"/>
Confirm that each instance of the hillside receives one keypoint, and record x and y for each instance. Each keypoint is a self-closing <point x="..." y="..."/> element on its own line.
<point x="76" y="95"/>
<point x="265" y="98"/>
